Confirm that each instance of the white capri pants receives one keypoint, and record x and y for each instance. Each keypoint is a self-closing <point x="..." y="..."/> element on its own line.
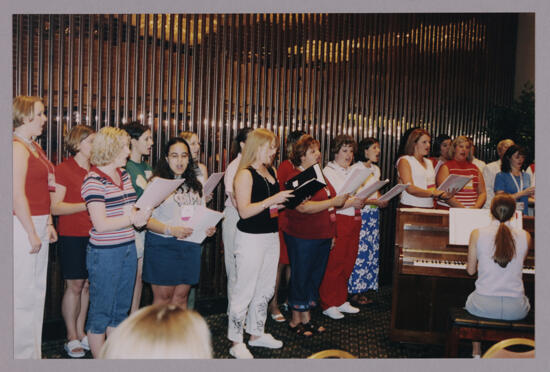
<point x="29" y="289"/>
<point x="256" y="258"/>
<point x="229" y="229"/>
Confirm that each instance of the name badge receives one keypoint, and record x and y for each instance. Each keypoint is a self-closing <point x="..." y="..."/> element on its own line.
<point x="186" y="212"/>
<point x="51" y="182"/>
<point x="519" y="206"/>
<point x="273" y="211"/>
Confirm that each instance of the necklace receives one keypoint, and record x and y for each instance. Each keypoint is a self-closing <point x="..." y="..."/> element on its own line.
<point x="26" y="140"/>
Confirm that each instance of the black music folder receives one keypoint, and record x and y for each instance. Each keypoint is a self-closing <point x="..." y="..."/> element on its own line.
<point x="304" y="185"/>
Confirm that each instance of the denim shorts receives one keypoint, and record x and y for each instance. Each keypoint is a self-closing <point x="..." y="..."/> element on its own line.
<point x="112" y="274"/>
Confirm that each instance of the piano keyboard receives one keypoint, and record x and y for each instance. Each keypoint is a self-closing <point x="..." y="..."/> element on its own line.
<point x="446" y="264"/>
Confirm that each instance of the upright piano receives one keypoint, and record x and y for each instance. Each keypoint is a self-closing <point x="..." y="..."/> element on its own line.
<point x="429" y="275"/>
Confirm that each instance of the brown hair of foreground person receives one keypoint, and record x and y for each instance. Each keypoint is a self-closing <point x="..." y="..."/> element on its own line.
<point x="160" y="332"/>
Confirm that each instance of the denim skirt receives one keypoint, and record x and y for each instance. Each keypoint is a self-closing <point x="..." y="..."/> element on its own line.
<point x="169" y="261"/>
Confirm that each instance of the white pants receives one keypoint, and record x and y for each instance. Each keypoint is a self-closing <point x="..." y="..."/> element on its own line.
<point x="229" y="229"/>
<point x="256" y="258"/>
<point x="29" y="289"/>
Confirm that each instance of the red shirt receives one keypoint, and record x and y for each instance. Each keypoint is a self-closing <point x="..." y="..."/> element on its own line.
<point x="468" y="195"/>
<point x="36" y="181"/>
<point x="282" y="173"/>
<point x="304" y="225"/>
<point x="70" y="175"/>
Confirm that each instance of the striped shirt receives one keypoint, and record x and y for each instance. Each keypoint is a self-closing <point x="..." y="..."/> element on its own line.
<point x="100" y="188"/>
<point x="468" y="195"/>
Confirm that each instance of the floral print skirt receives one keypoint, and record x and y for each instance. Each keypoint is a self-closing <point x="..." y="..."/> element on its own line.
<point x="365" y="271"/>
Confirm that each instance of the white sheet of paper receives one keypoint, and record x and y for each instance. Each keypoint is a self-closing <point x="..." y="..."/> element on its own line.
<point x="371" y="189"/>
<point x="212" y="182"/>
<point x="202" y="219"/>
<point x="356" y="178"/>
<point x="156" y="191"/>
<point x="462" y="221"/>
<point x="394" y="191"/>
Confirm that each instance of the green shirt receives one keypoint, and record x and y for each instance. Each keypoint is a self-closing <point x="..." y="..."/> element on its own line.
<point x="139" y="173"/>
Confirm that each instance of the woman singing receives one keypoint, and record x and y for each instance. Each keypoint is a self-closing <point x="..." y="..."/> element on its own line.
<point x="33" y="180"/>
<point x="171" y="264"/>
<point x="256" y="243"/>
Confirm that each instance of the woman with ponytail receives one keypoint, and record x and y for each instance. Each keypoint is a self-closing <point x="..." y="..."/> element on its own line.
<point x="497" y="253"/>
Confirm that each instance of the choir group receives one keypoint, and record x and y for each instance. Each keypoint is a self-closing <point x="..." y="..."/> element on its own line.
<point x="327" y="248"/>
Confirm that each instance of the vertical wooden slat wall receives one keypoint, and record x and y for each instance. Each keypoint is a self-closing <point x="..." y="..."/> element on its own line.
<point x="360" y="74"/>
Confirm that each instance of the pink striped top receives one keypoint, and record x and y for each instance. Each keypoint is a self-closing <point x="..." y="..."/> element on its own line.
<point x="468" y="195"/>
<point x="99" y="187"/>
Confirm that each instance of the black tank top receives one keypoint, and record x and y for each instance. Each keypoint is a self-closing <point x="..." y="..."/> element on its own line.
<point x="262" y="189"/>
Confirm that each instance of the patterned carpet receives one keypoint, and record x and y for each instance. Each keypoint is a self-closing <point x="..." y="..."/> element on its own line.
<point x="365" y="335"/>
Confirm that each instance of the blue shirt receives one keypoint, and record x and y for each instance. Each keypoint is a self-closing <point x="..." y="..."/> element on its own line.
<point x="504" y="182"/>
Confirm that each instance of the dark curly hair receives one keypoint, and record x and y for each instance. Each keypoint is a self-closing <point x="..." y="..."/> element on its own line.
<point x="163" y="170"/>
<point x="505" y="162"/>
<point x="364" y="145"/>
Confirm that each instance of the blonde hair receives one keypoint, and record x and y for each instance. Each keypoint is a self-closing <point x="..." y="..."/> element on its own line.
<point x="76" y="135"/>
<point x="256" y="139"/>
<point x="459" y="141"/>
<point x="23" y="107"/>
<point x="187" y="135"/>
<point x="160" y="332"/>
<point x="108" y="143"/>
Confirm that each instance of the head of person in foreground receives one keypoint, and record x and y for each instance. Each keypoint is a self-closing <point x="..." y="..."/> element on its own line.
<point x="160" y="332"/>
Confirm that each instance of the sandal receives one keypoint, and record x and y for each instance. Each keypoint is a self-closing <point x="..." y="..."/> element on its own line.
<point x="362" y="300"/>
<point x="70" y="349"/>
<point x="313" y="328"/>
<point x="279" y="318"/>
<point x="299" y="330"/>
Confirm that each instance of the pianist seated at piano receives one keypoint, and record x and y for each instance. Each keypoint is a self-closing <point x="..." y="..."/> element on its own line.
<point x="472" y="195"/>
<point x="418" y="171"/>
<point x="497" y="253"/>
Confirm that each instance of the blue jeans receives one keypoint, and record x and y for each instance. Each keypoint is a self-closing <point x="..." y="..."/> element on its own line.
<point x="497" y="307"/>
<point x="308" y="260"/>
<point x="112" y="274"/>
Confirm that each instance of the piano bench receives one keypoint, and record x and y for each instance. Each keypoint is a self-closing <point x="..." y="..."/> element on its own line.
<point x="465" y="326"/>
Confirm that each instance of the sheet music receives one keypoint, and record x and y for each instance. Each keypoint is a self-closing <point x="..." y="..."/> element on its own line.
<point x="157" y="191"/>
<point x="212" y="182"/>
<point x="454" y="181"/>
<point x="393" y="192"/>
<point x="371" y="189"/>
<point x="202" y="219"/>
<point x="355" y="179"/>
<point x="462" y="221"/>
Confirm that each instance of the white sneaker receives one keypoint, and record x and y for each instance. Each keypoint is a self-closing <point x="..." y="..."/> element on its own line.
<point x="347" y="308"/>
<point x="266" y="340"/>
<point x="240" y="351"/>
<point x="333" y="312"/>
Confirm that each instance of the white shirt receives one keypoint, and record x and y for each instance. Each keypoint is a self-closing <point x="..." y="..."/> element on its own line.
<point x="337" y="175"/>
<point x="422" y="177"/>
<point x="228" y="177"/>
<point x="493" y="280"/>
<point x="489" y="173"/>
<point x="480" y="164"/>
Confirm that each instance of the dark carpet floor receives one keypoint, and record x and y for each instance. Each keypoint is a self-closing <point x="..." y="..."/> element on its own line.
<point x="365" y="335"/>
